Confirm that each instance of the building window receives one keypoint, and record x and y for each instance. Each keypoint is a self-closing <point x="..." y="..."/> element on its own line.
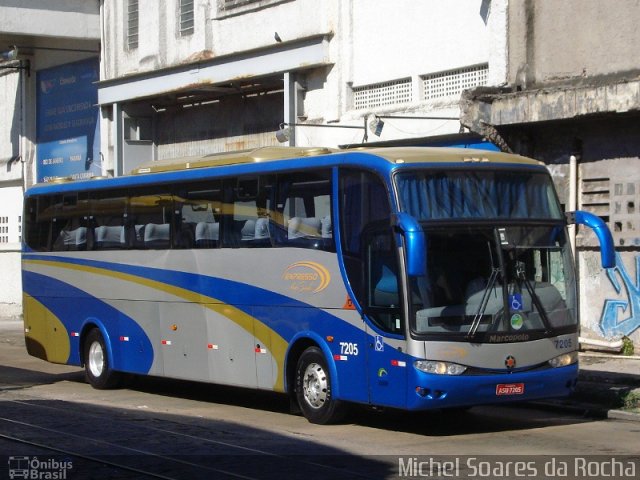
<point x="229" y="4"/>
<point x="132" y="24"/>
<point x="4" y="229"/>
<point x="236" y="7"/>
<point x="186" y="17"/>
<point x="138" y="129"/>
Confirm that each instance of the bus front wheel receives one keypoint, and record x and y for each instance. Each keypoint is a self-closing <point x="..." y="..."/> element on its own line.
<point x="97" y="365"/>
<point x="313" y="389"/>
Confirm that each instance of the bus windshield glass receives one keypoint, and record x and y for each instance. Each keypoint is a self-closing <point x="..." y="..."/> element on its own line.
<point x="481" y="195"/>
<point x="498" y="263"/>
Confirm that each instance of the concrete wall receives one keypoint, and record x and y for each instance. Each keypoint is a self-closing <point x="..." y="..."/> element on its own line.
<point x="51" y="18"/>
<point x="551" y="42"/>
<point x="11" y="294"/>
<point x="10" y="235"/>
<point x="9" y="124"/>
<point x="402" y="38"/>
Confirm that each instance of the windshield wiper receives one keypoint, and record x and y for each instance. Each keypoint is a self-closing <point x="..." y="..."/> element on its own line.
<point x="483" y="303"/>
<point x="477" y="319"/>
<point x="521" y="275"/>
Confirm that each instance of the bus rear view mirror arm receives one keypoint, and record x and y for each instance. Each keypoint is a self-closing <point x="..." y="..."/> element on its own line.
<point x="415" y="244"/>
<point x="599" y="227"/>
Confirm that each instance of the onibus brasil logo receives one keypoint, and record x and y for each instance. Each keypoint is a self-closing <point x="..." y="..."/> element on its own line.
<point x="307" y="277"/>
<point x="39" y="468"/>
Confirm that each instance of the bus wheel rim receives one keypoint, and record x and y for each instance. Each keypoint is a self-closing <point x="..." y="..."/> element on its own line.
<point x="315" y="386"/>
<point x="96" y="359"/>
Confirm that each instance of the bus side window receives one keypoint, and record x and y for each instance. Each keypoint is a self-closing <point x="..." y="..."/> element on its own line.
<point x="149" y="218"/>
<point x="383" y="284"/>
<point x="304" y="210"/>
<point x="198" y="215"/>
<point x="249" y="225"/>
<point x="69" y="224"/>
<point x="363" y="200"/>
<point x="369" y="255"/>
<point x="39" y="214"/>
<point x="108" y="214"/>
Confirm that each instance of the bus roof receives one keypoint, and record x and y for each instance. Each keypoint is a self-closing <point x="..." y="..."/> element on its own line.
<point x="396" y="155"/>
<point x="264" y="154"/>
<point x="267" y="159"/>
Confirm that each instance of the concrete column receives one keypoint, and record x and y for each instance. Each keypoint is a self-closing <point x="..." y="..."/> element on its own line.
<point x="290" y="101"/>
<point x="118" y="161"/>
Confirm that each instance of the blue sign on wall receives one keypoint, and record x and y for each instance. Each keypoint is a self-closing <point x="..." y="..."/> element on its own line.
<point x="67" y="126"/>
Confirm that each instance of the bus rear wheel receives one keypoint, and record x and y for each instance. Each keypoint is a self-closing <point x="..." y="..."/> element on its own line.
<point x="313" y="389"/>
<point x="97" y="365"/>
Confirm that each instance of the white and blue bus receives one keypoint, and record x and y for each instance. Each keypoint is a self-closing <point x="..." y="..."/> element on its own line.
<point x="411" y="278"/>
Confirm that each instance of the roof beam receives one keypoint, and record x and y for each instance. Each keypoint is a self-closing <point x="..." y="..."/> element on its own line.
<point x="290" y="56"/>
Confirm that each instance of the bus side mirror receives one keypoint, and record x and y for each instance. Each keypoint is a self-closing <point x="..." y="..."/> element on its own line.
<point x="415" y="243"/>
<point x="595" y="223"/>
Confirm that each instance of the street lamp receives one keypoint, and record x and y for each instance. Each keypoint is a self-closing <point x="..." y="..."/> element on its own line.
<point x="12" y="56"/>
<point x="9" y="54"/>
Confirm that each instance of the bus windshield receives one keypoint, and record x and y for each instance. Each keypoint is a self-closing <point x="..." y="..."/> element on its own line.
<point x="498" y="263"/>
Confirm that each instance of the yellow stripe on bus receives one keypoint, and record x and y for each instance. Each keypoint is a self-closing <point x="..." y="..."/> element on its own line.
<point x="45" y="335"/>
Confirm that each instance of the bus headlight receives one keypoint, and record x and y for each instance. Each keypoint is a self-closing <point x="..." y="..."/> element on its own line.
<point x="564" y="360"/>
<point x="439" y="368"/>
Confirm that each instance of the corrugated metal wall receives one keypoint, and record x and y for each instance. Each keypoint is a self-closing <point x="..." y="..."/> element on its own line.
<point x="231" y="123"/>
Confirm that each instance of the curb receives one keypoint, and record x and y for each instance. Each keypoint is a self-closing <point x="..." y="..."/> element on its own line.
<point x="582" y="410"/>
<point x="623" y="415"/>
<point x="587" y="410"/>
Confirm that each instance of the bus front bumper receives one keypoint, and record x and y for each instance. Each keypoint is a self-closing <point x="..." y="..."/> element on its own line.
<point x="445" y="391"/>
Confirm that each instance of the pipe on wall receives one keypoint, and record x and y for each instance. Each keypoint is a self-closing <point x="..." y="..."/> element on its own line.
<point x="573" y="200"/>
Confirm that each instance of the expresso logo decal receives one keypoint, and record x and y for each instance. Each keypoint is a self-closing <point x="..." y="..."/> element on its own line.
<point x="307" y="277"/>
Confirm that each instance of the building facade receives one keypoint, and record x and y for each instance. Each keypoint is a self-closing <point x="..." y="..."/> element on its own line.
<point x="41" y="43"/>
<point x="185" y="78"/>
<point x="572" y="99"/>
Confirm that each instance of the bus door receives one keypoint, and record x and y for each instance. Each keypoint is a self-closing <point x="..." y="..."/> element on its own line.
<point x="386" y="364"/>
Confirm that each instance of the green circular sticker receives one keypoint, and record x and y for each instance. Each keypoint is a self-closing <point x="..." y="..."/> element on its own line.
<point x="517" y="321"/>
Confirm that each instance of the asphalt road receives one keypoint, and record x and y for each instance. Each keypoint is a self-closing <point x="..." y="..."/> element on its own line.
<point x="159" y="428"/>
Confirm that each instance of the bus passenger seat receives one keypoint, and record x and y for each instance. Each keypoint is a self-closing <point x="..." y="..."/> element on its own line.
<point x="262" y="228"/>
<point x="75" y="239"/>
<point x="157" y="235"/>
<point x="207" y="234"/>
<point x="138" y="236"/>
<point x="327" y="230"/>
<point x="386" y="289"/>
<point x="109" y="237"/>
<point x="303" y="228"/>
<point x="248" y="232"/>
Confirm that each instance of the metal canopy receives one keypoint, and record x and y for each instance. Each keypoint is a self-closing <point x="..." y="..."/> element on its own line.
<point x="225" y="74"/>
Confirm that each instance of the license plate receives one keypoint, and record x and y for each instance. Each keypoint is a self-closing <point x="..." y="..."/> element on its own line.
<point x="510" y="389"/>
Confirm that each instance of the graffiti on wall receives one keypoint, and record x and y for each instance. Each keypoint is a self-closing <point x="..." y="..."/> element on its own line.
<point x="610" y="323"/>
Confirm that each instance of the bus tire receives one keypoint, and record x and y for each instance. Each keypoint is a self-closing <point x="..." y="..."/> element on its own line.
<point x="313" y="389"/>
<point x="97" y="365"/>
